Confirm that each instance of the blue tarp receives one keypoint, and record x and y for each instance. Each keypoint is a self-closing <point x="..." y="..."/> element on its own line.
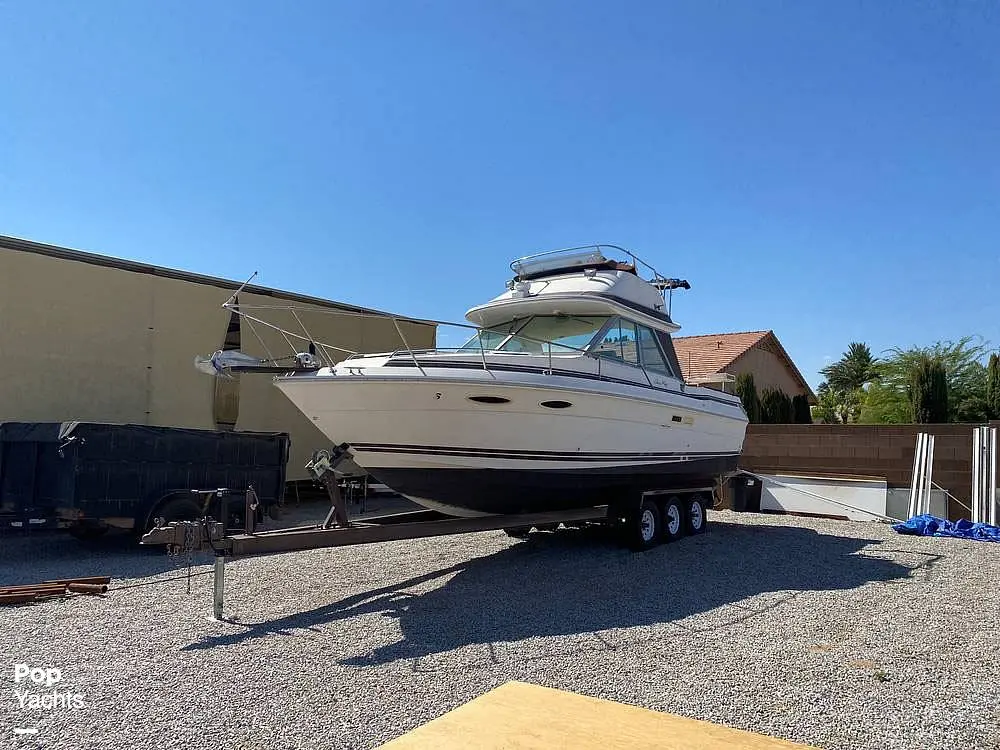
<point x="928" y="525"/>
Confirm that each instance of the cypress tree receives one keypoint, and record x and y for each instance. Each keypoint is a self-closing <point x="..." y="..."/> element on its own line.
<point x="747" y="392"/>
<point x="787" y="409"/>
<point x="775" y="406"/>
<point x="993" y="387"/>
<point x="801" y="413"/>
<point x="929" y="392"/>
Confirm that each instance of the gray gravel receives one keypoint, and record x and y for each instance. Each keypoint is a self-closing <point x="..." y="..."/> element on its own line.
<point x="835" y="634"/>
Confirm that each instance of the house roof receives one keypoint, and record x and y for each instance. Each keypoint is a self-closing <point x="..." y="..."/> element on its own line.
<point x="65" y="253"/>
<point x="702" y="356"/>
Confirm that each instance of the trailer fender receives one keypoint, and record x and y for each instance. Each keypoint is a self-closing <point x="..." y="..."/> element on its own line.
<point x="176" y="505"/>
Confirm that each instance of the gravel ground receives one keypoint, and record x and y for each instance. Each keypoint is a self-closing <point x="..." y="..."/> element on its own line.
<point x="837" y="634"/>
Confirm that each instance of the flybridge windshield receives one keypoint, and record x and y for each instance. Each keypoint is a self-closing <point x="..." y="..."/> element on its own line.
<point x="566" y="333"/>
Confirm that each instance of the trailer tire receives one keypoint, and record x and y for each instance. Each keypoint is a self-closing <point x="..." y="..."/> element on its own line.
<point x="696" y="517"/>
<point x="642" y="527"/>
<point x="673" y="519"/>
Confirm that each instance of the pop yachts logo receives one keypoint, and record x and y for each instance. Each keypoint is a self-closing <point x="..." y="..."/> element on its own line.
<point x="30" y="679"/>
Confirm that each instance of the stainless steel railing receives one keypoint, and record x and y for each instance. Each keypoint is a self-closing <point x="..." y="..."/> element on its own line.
<point x="548" y="348"/>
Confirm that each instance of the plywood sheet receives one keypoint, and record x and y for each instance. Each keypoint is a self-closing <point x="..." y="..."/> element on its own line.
<point x="520" y="716"/>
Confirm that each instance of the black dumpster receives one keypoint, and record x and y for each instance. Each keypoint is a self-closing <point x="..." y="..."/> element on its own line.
<point x="90" y="477"/>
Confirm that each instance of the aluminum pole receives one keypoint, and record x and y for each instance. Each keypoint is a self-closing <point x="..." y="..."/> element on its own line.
<point x="984" y="474"/>
<point x="925" y="506"/>
<point x="921" y="471"/>
<point x="912" y="507"/>
<point x="992" y="494"/>
<point x="976" y="483"/>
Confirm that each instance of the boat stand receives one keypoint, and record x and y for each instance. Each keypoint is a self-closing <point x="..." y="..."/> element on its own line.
<point x="218" y="587"/>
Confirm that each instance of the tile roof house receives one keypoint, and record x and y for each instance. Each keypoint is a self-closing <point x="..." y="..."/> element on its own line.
<point x="710" y="359"/>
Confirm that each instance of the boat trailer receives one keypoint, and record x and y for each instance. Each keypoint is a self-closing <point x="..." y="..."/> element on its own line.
<point x="337" y="530"/>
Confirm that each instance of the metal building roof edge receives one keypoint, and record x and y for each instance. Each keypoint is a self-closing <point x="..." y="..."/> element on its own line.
<point x="64" y="253"/>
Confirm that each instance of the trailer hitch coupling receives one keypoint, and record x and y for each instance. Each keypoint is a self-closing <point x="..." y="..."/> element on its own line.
<point x="187" y="536"/>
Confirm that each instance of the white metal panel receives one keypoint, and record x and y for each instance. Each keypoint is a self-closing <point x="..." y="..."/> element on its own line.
<point x="826" y="496"/>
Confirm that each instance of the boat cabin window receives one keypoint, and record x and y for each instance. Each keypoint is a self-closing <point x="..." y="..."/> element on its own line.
<point x="619" y="342"/>
<point x="625" y="341"/>
<point x="649" y="352"/>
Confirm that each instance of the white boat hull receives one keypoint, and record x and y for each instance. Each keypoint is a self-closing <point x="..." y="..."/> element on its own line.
<point x="426" y="436"/>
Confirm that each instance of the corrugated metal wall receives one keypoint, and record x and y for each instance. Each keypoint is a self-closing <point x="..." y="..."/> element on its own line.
<point x="80" y="341"/>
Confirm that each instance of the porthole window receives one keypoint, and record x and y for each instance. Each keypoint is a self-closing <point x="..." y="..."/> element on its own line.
<point x="489" y="399"/>
<point x="556" y="404"/>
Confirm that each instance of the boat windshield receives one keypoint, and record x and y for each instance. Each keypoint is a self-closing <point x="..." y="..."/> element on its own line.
<point x="566" y="333"/>
<point x="490" y="338"/>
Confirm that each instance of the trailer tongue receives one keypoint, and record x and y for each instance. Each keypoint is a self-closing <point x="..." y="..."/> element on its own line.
<point x="209" y="535"/>
<point x="185" y="537"/>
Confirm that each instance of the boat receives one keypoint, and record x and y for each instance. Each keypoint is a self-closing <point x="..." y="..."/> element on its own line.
<point x="568" y="394"/>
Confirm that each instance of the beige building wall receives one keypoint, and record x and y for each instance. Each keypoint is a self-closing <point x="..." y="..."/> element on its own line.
<point x="769" y="371"/>
<point x="98" y="343"/>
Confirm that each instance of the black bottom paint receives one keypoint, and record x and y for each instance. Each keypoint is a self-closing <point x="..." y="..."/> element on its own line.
<point x="535" y="491"/>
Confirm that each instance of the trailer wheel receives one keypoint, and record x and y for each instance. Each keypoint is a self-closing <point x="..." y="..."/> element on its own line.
<point x="642" y="529"/>
<point x="696" y="518"/>
<point x="673" y="519"/>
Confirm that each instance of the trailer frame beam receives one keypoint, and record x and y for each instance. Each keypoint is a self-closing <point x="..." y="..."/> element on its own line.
<point x="416" y="524"/>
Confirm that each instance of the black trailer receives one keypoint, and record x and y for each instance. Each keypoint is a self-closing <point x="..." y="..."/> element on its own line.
<point x="91" y="477"/>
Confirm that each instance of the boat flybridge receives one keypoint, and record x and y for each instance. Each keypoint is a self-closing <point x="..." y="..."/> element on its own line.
<point x="568" y="394"/>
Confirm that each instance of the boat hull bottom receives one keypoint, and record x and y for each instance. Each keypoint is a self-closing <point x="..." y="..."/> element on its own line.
<point x="475" y="492"/>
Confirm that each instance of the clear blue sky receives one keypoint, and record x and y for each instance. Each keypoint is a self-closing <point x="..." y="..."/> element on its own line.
<point x="830" y="170"/>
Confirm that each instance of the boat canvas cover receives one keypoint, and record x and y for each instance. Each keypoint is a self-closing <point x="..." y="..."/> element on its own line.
<point x="928" y="525"/>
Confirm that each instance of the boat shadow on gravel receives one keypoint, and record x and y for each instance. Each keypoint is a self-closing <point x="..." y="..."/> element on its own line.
<point x="579" y="582"/>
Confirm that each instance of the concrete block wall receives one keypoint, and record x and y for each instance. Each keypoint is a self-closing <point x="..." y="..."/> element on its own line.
<point x="864" y="450"/>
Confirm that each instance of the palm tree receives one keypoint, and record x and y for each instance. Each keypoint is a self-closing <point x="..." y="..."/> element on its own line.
<point x="854" y="370"/>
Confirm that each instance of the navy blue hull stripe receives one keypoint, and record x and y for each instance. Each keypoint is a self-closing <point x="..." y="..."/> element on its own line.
<point x="536" y="455"/>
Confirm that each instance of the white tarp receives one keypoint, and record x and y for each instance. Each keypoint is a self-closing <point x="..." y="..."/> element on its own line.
<point x="826" y="496"/>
